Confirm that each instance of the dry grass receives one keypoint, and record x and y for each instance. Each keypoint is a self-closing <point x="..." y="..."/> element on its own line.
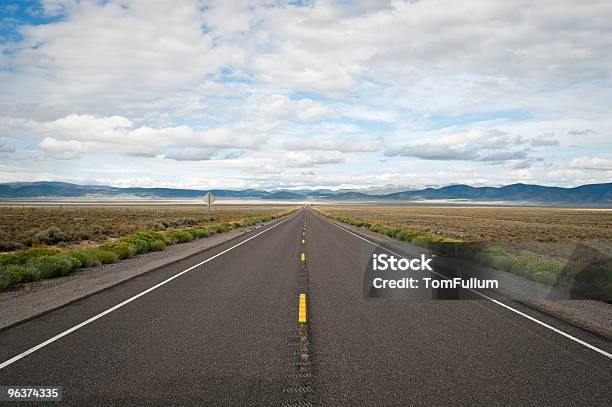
<point x="487" y="224"/>
<point x="22" y="227"/>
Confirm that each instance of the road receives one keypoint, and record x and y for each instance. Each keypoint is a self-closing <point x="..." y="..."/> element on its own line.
<point x="226" y="332"/>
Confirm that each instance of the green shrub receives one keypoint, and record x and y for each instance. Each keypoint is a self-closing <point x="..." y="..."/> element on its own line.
<point x="409" y="236"/>
<point x="76" y="263"/>
<point x="26" y="273"/>
<point x="567" y="276"/>
<point x="7" y="246"/>
<point x="106" y="257"/>
<point x="157" y="245"/>
<point x="545" y="277"/>
<point x="25" y="256"/>
<point x="519" y="265"/>
<point x="199" y="233"/>
<point x="123" y="250"/>
<point x="593" y="282"/>
<point x="491" y="251"/>
<point x="376" y="228"/>
<point x="222" y="228"/>
<point x="148" y="236"/>
<point x="179" y="236"/>
<point x="11" y="258"/>
<point x="420" y="241"/>
<point x="40" y="251"/>
<point x="249" y="222"/>
<point x="87" y="258"/>
<point x="391" y="232"/>
<point x="502" y="263"/>
<point x="535" y="266"/>
<point x="9" y="278"/>
<point x="52" y="266"/>
<point x="51" y="235"/>
<point x="140" y="246"/>
<point x="141" y="241"/>
<point x="494" y="257"/>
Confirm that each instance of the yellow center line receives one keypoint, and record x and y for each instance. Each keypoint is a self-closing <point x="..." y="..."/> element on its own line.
<point x="303" y="257"/>
<point x="302" y="309"/>
<point x="303" y="241"/>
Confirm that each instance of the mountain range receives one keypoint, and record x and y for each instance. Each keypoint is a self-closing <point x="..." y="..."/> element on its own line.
<point x="599" y="194"/>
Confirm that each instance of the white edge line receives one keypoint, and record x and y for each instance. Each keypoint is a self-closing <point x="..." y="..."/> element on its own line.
<point x="121" y="304"/>
<point x="537" y="321"/>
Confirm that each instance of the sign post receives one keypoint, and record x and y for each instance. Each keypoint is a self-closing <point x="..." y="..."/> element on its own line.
<point x="208" y="199"/>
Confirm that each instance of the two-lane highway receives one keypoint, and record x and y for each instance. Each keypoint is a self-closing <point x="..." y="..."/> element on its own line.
<point x="230" y="332"/>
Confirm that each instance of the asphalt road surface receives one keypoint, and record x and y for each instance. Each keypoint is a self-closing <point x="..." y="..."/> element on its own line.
<point x="227" y="332"/>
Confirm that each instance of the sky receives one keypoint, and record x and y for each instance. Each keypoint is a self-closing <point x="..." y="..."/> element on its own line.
<point x="306" y="94"/>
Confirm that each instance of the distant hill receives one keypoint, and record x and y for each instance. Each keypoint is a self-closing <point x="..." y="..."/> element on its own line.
<point x="585" y="194"/>
<point x="598" y="194"/>
<point x="284" y="195"/>
<point x="68" y="190"/>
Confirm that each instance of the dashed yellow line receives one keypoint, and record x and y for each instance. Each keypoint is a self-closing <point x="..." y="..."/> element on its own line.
<point x="302" y="309"/>
<point x="303" y="241"/>
<point x="303" y="257"/>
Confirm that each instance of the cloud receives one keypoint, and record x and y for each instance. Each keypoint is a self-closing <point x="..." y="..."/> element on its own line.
<point x="488" y="145"/>
<point x="191" y="154"/>
<point x="5" y="147"/>
<point x="232" y="155"/>
<point x="445" y="87"/>
<point x="86" y="127"/>
<point x="583" y="132"/>
<point x="64" y="150"/>
<point x="88" y="134"/>
<point x="503" y="156"/>
<point x="592" y="163"/>
<point x="545" y="140"/>
<point x="282" y="107"/>
<point x="349" y="145"/>
<point x="304" y="159"/>
<point x="202" y="154"/>
<point x="518" y="164"/>
<point x="309" y="110"/>
<point x="433" y="152"/>
<point x="286" y="48"/>
<point x="336" y="128"/>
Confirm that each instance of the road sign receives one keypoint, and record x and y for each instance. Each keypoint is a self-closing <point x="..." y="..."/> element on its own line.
<point x="208" y="198"/>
